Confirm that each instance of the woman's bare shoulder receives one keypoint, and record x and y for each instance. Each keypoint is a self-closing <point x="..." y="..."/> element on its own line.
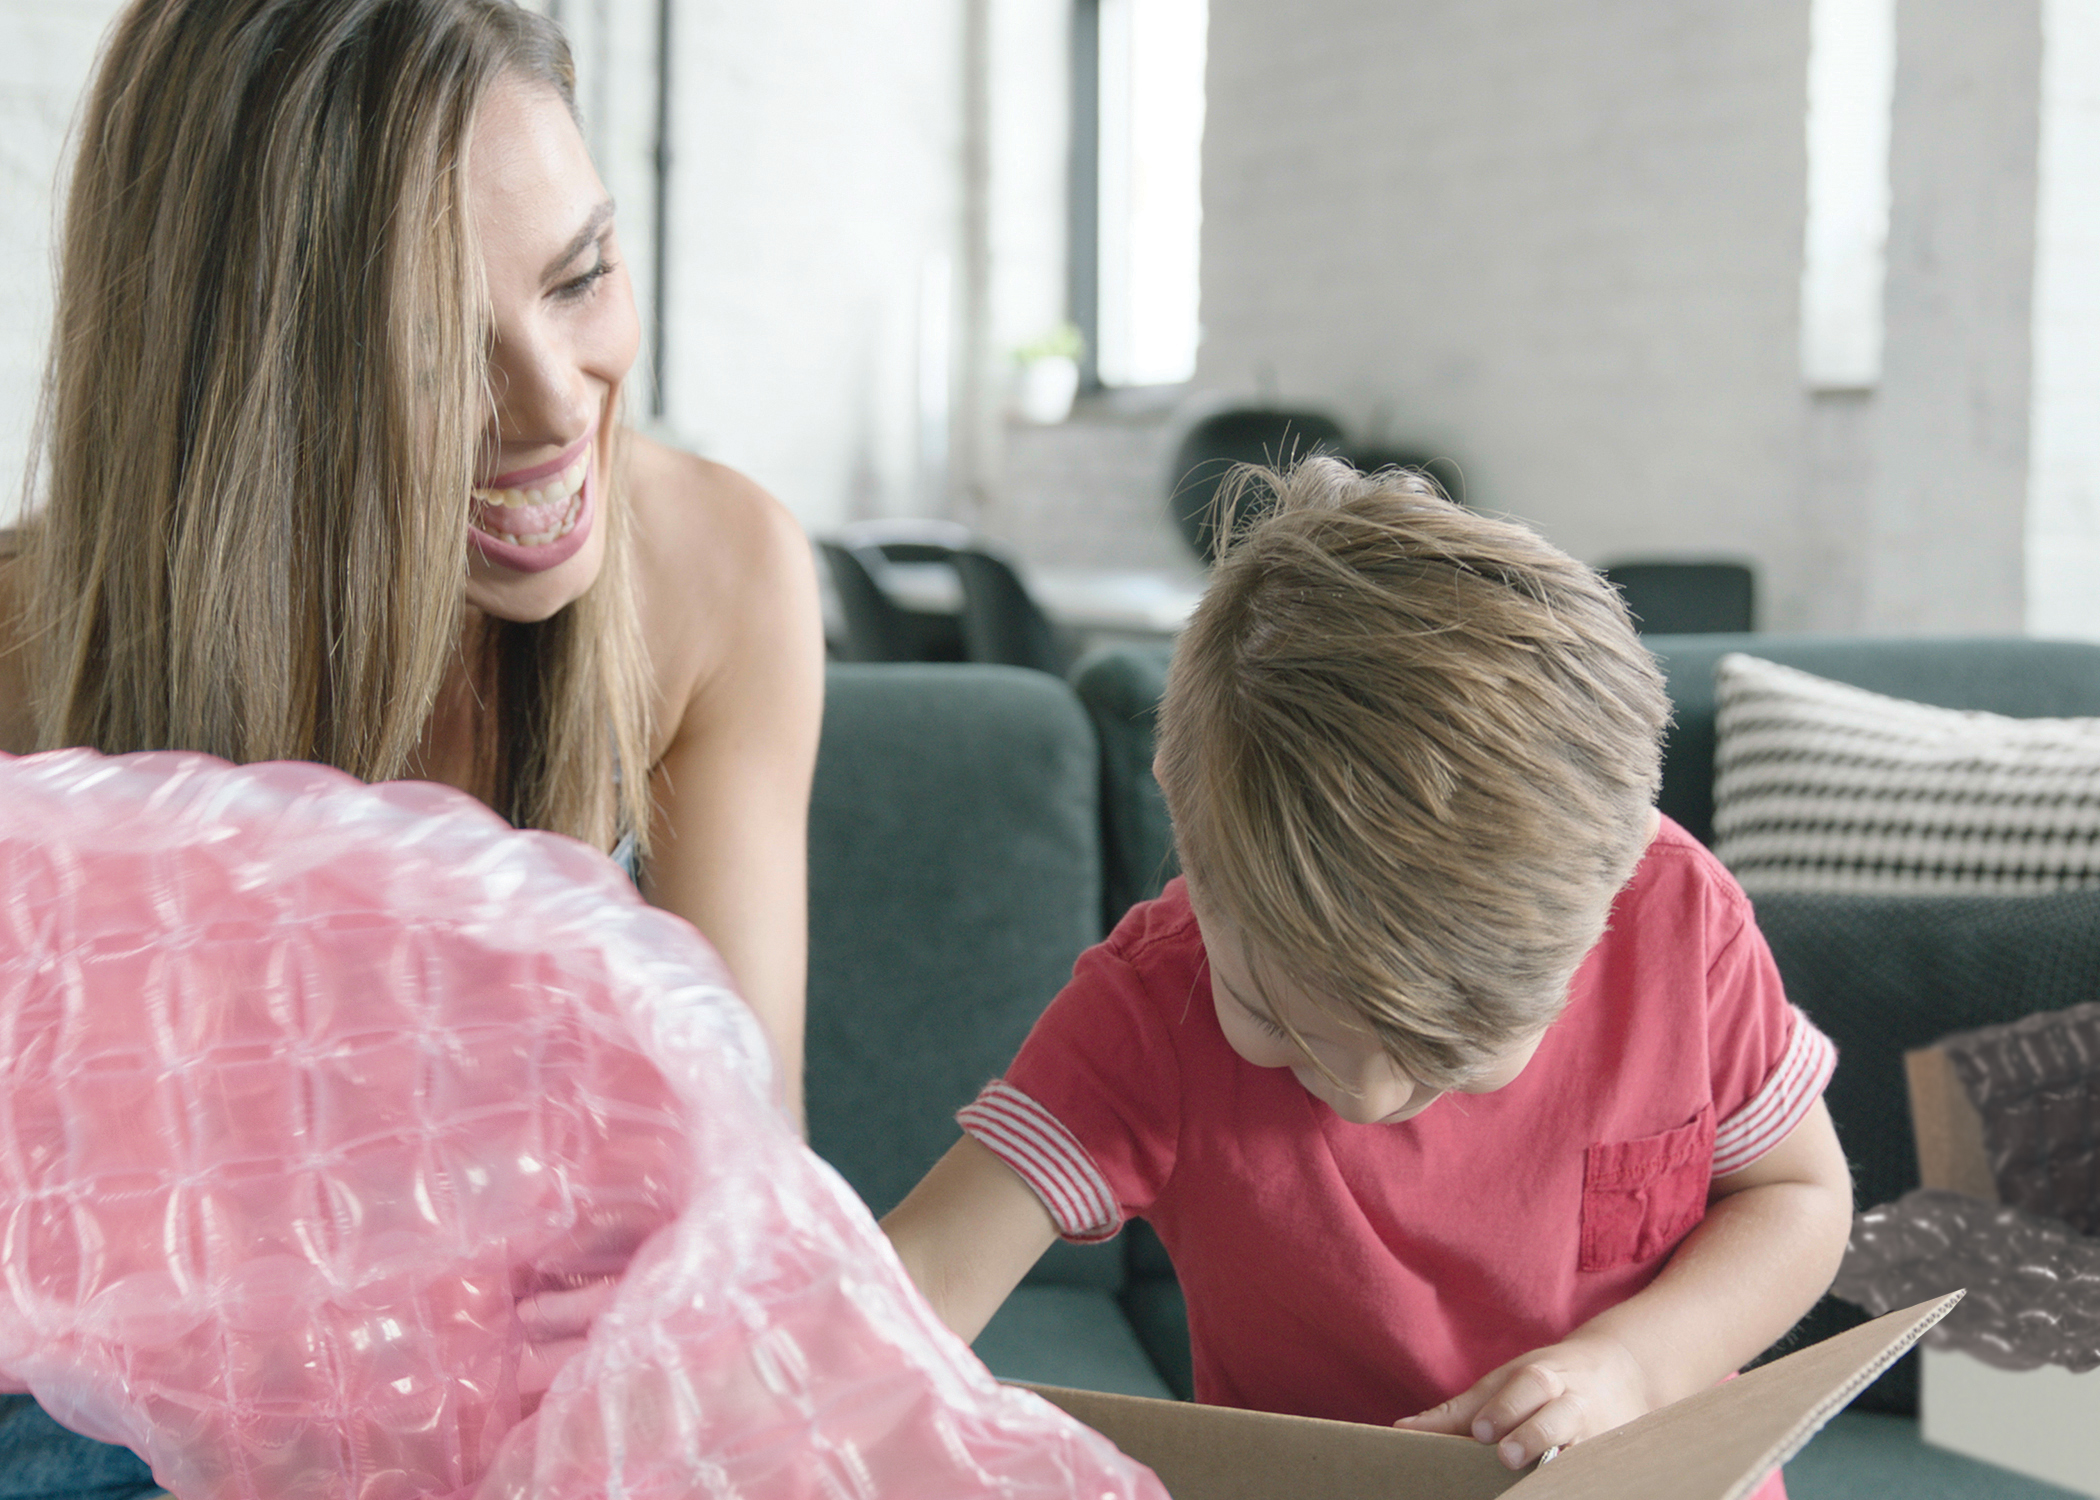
<point x="17" y="725"/>
<point x="724" y="568"/>
<point x="683" y="501"/>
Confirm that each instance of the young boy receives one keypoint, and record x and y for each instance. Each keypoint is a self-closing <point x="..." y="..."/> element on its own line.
<point x="1458" y="1082"/>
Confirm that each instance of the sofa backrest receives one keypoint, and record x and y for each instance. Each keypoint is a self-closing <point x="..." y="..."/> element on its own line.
<point x="955" y="874"/>
<point x="2010" y="675"/>
<point x="2007" y="675"/>
<point x="1121" y="688"/>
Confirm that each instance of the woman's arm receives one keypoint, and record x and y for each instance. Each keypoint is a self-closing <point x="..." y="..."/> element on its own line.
<point x="1768" y="1247"/>
<point x="736" y="640"/>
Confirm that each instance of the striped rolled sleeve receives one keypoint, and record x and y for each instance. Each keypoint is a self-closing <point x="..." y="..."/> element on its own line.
<point x="1774" y="1110"/>
<point x="1049" y="1158"/>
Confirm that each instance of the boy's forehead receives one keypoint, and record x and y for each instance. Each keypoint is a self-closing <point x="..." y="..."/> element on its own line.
<point x="1247" y="975"/>
<point x="1241" y="969"/>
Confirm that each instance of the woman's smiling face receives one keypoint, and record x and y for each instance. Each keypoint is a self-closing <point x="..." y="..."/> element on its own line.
<point x="563" y="335"/>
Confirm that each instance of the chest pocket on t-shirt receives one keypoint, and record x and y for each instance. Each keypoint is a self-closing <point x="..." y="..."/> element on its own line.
<point x="1640" y="1197"/>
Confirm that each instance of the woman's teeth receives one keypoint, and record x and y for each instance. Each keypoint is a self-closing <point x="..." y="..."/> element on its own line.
<point x="562" y="490"/>
<point x="554" y="534"/>
<point x="552" y="491"/>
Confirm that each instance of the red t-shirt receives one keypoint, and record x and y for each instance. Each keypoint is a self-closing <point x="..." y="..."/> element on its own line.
<point x="1369" y="1272"/>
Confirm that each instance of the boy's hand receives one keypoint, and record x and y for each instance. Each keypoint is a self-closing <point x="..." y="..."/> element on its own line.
<point x="1548" y="1398"/>
<point x="1769" y="1244"/>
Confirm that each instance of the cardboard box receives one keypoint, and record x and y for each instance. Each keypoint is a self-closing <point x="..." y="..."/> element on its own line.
<point x="2042" y="1423"/>
<point x="1947" y="1128"/>
<point x="1717" y="1445"/>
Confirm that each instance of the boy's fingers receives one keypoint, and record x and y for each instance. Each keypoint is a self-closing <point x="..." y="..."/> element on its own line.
<point x="1529" y="1389"/>
<point x="1556" y="1424"/>
<point x="1454" y="1416"/>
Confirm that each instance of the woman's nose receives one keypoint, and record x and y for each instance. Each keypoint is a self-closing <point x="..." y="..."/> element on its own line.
<point x="540" y="396"/>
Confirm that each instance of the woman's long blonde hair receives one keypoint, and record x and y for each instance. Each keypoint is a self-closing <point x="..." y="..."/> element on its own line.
<point x="265" y="399"/>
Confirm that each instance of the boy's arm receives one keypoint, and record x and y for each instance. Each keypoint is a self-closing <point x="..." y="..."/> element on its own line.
<point x="1768" y="1247"/>
<point x="968" y="1233"/>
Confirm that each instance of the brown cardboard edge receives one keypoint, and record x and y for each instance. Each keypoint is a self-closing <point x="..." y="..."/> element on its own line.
<point x="1721" y="1443"/>
<point x="1716" y="1445"/>
<point x="1946" y="1126"/>
<point x="1224" y="1453"/>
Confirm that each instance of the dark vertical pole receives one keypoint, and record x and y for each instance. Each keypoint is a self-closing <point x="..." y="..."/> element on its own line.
<point x="1083" y="278"/>
<point x="659" y="316"/>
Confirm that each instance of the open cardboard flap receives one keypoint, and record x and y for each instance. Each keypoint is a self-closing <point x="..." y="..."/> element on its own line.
<point x="1717" y="1445"/>
<point x="1947" y="1127"/>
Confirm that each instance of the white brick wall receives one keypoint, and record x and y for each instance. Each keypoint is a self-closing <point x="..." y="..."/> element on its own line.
<point x="1563" y="244"/>
<point x="813" y="186"/>
<point x="816" y="206"/>
<point x="815" y="195"/>
<point x="46" y="51"/>
<point x="1945" y="549"/>
<point x="2063" y="523"/>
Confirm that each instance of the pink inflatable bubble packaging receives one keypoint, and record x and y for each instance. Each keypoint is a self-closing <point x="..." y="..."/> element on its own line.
<point x="354" y="1144"/>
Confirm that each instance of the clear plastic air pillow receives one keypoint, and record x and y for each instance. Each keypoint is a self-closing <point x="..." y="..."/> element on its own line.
<point x="354" y="1144"/>
<point x="2033" y="1282"/>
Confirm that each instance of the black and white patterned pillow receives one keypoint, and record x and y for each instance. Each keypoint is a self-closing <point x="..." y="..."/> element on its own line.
<point x="1819" y="786"/>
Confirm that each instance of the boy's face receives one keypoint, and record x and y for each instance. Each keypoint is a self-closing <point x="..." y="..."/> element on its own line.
<point x="1255" y="1005"/>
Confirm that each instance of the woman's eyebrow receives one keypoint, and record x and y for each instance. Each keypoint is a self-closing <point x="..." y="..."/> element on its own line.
<point x="589" y="232"/>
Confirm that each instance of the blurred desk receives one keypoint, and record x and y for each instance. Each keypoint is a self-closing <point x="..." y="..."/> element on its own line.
<point x="1097" y="601"/>
<point x="931" y="588"/>
<point x="1101" y="604"/>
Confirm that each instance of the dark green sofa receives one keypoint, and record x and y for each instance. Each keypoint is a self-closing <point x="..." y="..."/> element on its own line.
<point x="956" y="869"/>
<point x="974" y="827"/>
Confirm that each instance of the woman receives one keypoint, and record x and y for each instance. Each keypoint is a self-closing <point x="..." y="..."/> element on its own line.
<point x="336" y="470"/>
<point x="335" y="473"/>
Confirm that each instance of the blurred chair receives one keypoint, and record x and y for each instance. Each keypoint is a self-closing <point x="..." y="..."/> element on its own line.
<point x="879" y="626"/>
<point x="1687" y="598"/>
<point x="878" y="567"/>
<point x="1244" y="435"/>
<point x="1001" y="622"/>
<point x="907" y="539"/>
<point x="1442" y="468"/>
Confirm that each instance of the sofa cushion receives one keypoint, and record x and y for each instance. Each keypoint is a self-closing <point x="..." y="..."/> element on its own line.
<point x="1822" y="786"/>
<point x="40" y="1460"/>
<point x="2002" y="675"/>
<point x="1073" y="1336"/>
<point x="1862" y="1453"/>
<point x="955" y="867"/>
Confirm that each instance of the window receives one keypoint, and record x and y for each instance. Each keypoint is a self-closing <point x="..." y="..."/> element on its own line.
<point x="1137" y="210"/>
<point x="1851" y="84"/>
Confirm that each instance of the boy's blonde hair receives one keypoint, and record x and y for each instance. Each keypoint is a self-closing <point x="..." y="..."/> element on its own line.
<point x="1409" y="752"/>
